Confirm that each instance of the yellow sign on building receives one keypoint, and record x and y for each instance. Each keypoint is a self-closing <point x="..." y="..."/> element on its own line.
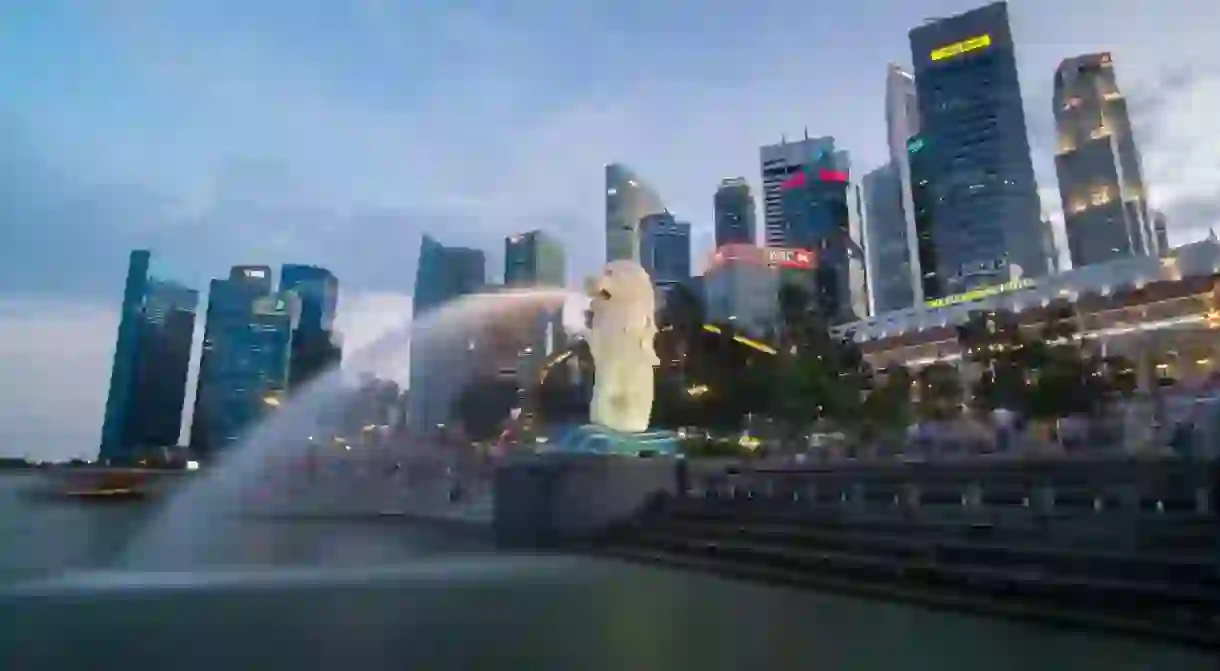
<point x="981" y="293"/>
<point x="959" y="48"/>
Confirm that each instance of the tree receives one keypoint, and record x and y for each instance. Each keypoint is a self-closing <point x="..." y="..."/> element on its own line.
<point x="887" y="409"/>
<point x="940" y="391"/>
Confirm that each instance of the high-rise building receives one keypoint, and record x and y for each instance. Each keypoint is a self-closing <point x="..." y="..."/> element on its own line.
<point x="1161" y="229"/>
<point x="247" y="353"/>
<point x="741" y="285"/>
<point x="823" y="213"/>
<point x="735" y="213"/>
<point x="922" y="201"/>
<point x="535" y="259"/>
<point x="628" y="200"/>
<point x="889" y="257"/>
<point x="151" y="359"/>
<point x="1050" y="248"/>
<point x="665" y="248"/>
<point x="779" y="162"/>
<point x="442" y="275"/>
<point x="665" y="252"/>
<point x="1101" y="183"/>
<point x="985" y="202"/>
<point x="902" y="123"/>
<point x="315" y="346"/>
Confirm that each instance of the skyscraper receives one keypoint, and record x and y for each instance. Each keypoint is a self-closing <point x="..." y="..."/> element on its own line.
<point x="665" y="252"/>
<point x="1161" y="229"/>
<point x="985" y="202"/>
<point x="922" y="201"/>
<point x="628" y="200"/>
<point x="247" y="350"/>
<point x="151" y="359"/>
<point x="442" y="275"/>
<point x="315" y="347"/>
<point x="735" y="214"/>
<point x="779" y="162"/>
<point x="889" y="258"/>
<point x="902" y="123"/>
<point x="535" y="259"/>
<point x="1101" y="183"/>
<point x="822" y="213"/>
<point x="665" y="248"/>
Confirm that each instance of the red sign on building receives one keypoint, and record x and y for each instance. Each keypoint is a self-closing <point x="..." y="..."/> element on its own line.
<point x="776" y="257"/>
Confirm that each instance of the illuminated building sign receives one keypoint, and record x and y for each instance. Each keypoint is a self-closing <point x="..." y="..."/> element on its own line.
<point x="801" y="178"/>
<point x="789" y="258"/>
<point x="255" y="272"/>
<point x="959" y="48"/>
<point x="914" y="144"/>
<point x="981" y="293"/>
<point x="775" y="257"/>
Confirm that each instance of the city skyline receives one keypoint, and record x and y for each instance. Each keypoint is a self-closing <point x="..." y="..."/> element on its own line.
<point x="343" y="203"/>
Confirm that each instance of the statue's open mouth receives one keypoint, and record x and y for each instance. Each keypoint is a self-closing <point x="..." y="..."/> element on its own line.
<point x="604" y="293"/>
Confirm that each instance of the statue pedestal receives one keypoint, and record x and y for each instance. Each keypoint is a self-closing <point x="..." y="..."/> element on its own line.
<point x="547" y="500"/>
<point x="596" y="439"/>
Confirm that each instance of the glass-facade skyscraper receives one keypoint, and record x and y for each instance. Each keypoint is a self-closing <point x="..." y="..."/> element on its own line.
<point x="779" y="162"/>
<point x="922" y="201"/>
<point x="535" y="259"/>
<point x="665" y="252"/>
<point x="149" y="373"/>
<point x="1101" y="182"/>
<point x="889" y="260"/>
<point x="246" y="359"/>
<point x="822" y="212"/>
<point x="628" y="200"/>
<point x="315" y="347"/>
<point x="442" y="275"/>
<point x="985" y="203"/>
<point x="735" y="213"/>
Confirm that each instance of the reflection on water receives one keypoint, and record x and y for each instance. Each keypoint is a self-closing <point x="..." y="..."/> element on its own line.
<point x="327" y="595"/>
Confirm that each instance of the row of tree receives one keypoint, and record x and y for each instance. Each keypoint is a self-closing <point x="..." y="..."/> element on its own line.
<point x="806" y="379"/>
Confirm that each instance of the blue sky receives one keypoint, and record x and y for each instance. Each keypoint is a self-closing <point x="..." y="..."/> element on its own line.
<point x="336" y="133"/>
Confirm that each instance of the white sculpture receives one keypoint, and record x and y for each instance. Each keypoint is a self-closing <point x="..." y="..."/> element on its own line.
<point x="621" y="342"/>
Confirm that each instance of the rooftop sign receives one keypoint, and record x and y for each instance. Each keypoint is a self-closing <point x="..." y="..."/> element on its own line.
<point x="958" y="48"/>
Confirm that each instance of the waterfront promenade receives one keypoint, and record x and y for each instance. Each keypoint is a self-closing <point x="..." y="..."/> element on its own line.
<point x="1115" y="542"/>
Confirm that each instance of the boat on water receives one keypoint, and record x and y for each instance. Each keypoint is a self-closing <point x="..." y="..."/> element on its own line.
<point x="104" y="488"/>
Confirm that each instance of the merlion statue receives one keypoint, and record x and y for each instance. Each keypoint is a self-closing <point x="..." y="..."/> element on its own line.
<point x="621" y="342"/>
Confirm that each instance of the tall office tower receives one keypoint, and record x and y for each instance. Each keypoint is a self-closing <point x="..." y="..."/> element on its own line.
<point x="889" y="256"/>
<point x="442" y="275"/>
<point x="1161" y="229"/>
<point x="922" y="201"/>
<point x="1101" y="181"/>
<point x="985" y="200"/>
<point x="665" y="252"/>
<point x="247" y="350"/>
<point x="628" y="200"/>
<point x="535" y="259"/>
<point x="902" y="123"/>
<point x="779" y="162"/>
<point x="823" y="213"/>
<point x="1050" y="249"/>
<point x="151" y="359"/>
<point x="315" y="345"/>
<point x="735" y="214"/>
